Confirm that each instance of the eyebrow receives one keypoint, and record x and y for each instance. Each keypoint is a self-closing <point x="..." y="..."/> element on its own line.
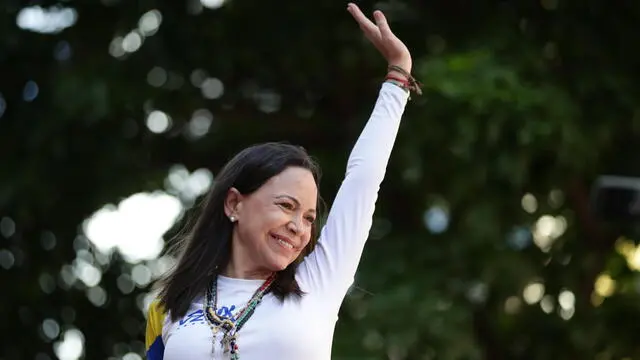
<point x="293" y="199"/>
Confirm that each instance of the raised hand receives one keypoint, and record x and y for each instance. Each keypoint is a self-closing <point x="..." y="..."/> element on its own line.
<point x="381" y="36"/>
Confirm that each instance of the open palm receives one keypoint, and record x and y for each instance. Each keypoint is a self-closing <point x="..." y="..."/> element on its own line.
<point x="381" y="36"/>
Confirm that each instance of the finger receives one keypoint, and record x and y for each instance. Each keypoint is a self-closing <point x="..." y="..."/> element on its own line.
<point x="383" y="25"/>
<point x="365" y="24"/>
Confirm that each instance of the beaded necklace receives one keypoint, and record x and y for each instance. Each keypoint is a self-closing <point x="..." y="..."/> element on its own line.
<point x="226" y="324"/>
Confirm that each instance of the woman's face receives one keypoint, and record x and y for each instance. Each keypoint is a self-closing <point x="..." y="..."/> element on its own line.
<point x="274" y="223"/>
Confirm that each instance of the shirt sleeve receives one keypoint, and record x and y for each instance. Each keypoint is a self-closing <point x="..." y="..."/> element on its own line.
<point x="330" y="269"/>
<point x="153" y="335"/>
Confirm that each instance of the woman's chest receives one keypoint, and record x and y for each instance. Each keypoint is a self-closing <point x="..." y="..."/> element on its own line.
<point x="275" y="330"/>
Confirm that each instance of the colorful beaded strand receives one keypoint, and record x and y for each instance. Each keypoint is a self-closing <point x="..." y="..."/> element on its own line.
<point x="230" y="329"/>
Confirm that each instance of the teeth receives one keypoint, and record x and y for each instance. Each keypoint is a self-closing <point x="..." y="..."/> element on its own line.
<point x="285" y="244"/>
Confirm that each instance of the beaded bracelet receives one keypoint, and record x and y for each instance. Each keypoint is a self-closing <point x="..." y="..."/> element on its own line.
<point x="410" y="83"/>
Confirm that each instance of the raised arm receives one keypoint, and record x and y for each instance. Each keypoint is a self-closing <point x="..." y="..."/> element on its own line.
<point x="330" y="269"/>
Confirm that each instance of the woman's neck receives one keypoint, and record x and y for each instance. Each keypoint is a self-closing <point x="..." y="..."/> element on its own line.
<point x="239" y="272"/>
<point x="242" y="266"/>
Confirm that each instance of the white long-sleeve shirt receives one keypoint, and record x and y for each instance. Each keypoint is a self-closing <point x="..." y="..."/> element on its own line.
<point x="302" y="328"/>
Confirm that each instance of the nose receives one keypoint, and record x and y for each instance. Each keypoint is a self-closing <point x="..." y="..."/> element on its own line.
<point x="293" y="226"/>
<point x="297" y="224"/>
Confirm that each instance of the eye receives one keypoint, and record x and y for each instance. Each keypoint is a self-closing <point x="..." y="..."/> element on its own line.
<point x="286" y="205"/>
<point x="311" y="219"/>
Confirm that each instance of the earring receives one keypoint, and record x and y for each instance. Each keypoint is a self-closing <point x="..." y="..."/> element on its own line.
<point x="232" y="218"/>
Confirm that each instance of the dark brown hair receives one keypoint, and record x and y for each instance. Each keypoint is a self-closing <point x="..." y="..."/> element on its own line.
<point x="205" y="248"/>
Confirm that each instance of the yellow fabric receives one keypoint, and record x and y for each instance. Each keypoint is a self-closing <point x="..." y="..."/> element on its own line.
<point x="155" y="320"/>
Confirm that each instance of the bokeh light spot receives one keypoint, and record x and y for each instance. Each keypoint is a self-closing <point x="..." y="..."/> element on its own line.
<point x="97" y="295"/>
<point x="529" y="203"/>
<point x="212" y="4"/>
<point x="47" y="283"/>
<point x="132" y="42"/>
<point x="436" y="219"/>
<point x="7" y="227"/>
<point x="135" y="227"/>
<point x="30" y="91"/>
<point x="533" y="292"/>
<point x="150" y="22"/>
<point x="3" y="105"/>
<point x="6" y="259"/>
<point x="200" y="123"/>
<point x="158" y="121"/>
<point x="50" y="329"/>
<point x="62" y="51"/>
<point x="46" y="21"/>
<point x="157" y="76"/>
<point x="48" y="240"/>
<point x="212" y="88"/>
<point x="115" y="47"/>
<point x="71" y="347"/>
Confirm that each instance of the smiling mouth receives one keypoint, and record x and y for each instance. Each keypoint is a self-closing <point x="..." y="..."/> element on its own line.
<point x="283" y="243"/>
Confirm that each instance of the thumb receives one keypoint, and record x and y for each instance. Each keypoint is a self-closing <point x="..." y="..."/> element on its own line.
<point x="382" y="23"/>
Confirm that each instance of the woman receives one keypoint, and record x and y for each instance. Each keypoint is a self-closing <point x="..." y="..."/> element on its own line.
<point x="251" y="281"/>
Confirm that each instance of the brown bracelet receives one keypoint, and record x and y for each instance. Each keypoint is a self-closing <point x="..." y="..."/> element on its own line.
<point x="412" y="83"/>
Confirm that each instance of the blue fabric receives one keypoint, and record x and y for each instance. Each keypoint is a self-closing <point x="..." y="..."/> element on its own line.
<point x="156" y="350"/>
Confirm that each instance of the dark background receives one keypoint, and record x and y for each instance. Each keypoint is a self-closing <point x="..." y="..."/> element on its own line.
<point x="116" y="115"/>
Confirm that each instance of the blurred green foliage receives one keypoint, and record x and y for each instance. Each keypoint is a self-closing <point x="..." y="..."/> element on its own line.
<point x="520" y="98"/>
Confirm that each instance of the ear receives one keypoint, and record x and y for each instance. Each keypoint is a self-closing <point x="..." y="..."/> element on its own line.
<point x="233" y="202"/>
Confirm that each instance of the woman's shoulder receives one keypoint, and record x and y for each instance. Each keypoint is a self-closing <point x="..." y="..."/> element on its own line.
<point x="156" y="309"/>
<point x="156" y="315"/>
